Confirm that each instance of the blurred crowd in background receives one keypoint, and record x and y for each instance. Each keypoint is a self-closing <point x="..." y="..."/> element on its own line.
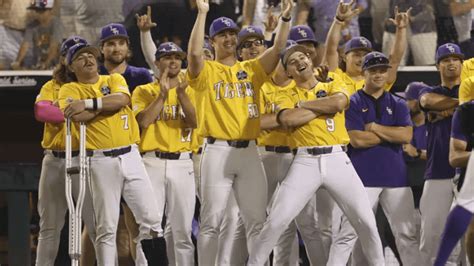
<point x="30" y="38"/>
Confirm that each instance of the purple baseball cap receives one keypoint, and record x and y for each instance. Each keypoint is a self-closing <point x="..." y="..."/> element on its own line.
<point x="250" y="31"/>
<point x="113" y="30"/>
<point x="222" y="24"/>
<point x="302" y="33"/>
<point x="448" y="49"/>
<point x="41" y="4"/>
<point x="69" y="42"/>
<point x="291" y="47"/>
<point x="80" y="48"/>
<point x="375" y="59"/>
<point x="168" y="48"/>
<point x="413" y="90"/>
<point x="358" y="43"/>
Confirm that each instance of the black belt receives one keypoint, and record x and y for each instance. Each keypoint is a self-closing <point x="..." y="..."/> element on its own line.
<point x="168" y="155"/>
<point x="232" y="143"/>
<point x="117" y="152"/>
<point x="278" y="149"/>
<point x="199" y="150"/>
<point x="323" y="150"/>
<point x="62" y="154"/>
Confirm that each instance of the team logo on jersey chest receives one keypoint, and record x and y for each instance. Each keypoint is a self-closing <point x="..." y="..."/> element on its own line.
<point x="241" y="75"/>
<point x="321" y="94"/>
<point x="105" y="90"/>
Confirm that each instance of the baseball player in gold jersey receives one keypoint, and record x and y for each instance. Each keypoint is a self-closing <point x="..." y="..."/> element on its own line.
<point x="116" y="168"/>
<point x="320" y="137"/>
<point x="52" y="205"/>
<point x="228" y="115"/>
<point x="166" y="115"/>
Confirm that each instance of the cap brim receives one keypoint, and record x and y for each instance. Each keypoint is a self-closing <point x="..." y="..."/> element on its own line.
<point x="460" y="56"/>
<point x="307" y="40"/>
<point x="359" y="48"/>
<point x="378" y="66"/>
<point x="181" y="54"/>
<point x="89" y="49"/>
<point x="288" y="52"/>
<point x="250" y="35"/>
<point x="236" y="30"/>
<point x="115" y="37"/>
<point x="38" y="8"/>
<point x="401" y="94"/>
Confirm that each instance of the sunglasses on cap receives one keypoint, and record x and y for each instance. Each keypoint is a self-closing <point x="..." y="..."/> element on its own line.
<point x="248" y="44"/>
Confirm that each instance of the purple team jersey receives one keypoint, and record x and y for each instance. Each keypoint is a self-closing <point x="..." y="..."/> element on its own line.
<point x="135" y="76"/>
<point x="439" y="133"/>
<point x="381" y="165"/>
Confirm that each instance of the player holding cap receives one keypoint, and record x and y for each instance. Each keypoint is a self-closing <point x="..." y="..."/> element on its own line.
<point x="378" y="124"/>
<point x="439" y="103"/>
<point x="116" y="168"/>
<point x="166" y="115"/>
<point x="228" y="93"/>
<point x="320" y="137"/>
<point x="52" y="205"/>
<point x="462" y="139"/>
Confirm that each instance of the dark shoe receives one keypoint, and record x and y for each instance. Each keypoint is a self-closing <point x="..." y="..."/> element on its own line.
<point x="155" y="251"/>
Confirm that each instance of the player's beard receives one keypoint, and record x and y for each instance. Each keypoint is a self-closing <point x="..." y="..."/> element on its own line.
<point x="115" y="60"/>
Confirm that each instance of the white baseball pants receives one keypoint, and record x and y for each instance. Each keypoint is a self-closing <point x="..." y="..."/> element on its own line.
<point x="52" y="207"/>
<point x="465" y="197"/>
<point x="225" y="168"/>
<point x="174" y="187"/>
<point x="399" y="207"/>
<point x="111" y="178"/>
<point x="435" y="204"/>
<point x="333" y="171"/>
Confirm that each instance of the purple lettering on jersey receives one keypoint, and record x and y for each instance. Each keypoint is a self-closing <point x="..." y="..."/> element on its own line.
<point x="381" y="165"/>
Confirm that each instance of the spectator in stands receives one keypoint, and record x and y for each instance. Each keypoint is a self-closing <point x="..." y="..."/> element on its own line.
<point x="13" y="19"/>
<point x="254" y="12"/>
<point x="421" y="33"/>
<point x="42" y="36"/>
<point x="462" y="17"/>
<point x="92" y="15"/>
<point x="378" y="13"/>
<point x="323" y="13"/>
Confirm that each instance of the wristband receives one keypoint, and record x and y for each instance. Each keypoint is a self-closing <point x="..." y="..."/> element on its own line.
<point x="338" y="19"/>
<point x="89" y="104"/>
<point x="94" y="104"/>
<point x="99" y="103"/>
<point x="286" y="19"/>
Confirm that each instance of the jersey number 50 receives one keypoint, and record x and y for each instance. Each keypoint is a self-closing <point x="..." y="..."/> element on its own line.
<point x="253" y="111"/>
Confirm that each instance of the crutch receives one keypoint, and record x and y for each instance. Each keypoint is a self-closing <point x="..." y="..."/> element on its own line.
<point x="75" y="210"/>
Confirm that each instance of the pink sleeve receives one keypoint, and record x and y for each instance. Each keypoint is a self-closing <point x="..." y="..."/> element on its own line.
<point x="45" y="111"/>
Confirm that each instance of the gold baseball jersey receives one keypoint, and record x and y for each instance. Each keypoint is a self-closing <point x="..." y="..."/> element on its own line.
<point x="352" y="85"/>
<point x="268" y="105"/>
<point x="168" y="133"/>
<point x="105" y="131"/>
<point x="53" y="134"/>
<point x="324" y="130"/>
<point x="466" y="90"/>
<point x="227" y="99"/>
<point x="467" y="69"/>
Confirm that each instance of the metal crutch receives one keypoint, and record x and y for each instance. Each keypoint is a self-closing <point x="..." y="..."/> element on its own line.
<point x="75" y="210"/>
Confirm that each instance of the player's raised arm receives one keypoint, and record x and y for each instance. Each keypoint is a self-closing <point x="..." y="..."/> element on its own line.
<point x="144" y="23"/>
<point x="269" y="59"/>
<point x="401" y="21"/>
<point x="196" y="40"/>
<point x="344" y="14"/>
<point x="188" y="108"/>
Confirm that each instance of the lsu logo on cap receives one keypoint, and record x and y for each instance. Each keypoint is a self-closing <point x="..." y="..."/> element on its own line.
<point x="226" y="22"/>
<point x="114" y="30"/>
<point x="450" y="48"/>
<point x="105" y="90"/>
<point x="303" y="33"/>
<point x="250" y="30"/>
<point x="241" y="75"/>
<point x="364" y="42"/>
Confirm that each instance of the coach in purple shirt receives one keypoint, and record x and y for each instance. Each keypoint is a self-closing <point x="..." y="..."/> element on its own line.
<point x="378" y="124"/>
<point x="438" y="103"/>
<point x="114" y="45"/>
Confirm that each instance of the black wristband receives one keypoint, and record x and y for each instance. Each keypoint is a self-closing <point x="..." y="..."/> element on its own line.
<point x="286" y="19"/>
<point x="340" y="20"/>
<point x="94" y="104"/>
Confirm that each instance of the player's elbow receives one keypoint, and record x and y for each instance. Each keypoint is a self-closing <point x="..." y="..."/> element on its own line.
<point x="407" y="136"/>
<point x="340" y="103"/>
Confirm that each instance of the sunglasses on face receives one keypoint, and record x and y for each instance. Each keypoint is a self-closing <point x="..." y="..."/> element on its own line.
<point x="248" y="44"/>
